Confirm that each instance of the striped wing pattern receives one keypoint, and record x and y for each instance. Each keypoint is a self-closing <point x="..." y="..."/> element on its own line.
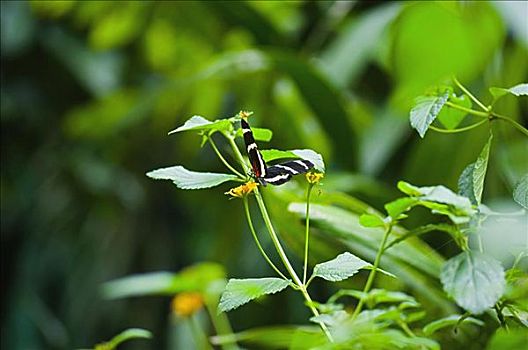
<point x="281" y="173"/>
<point x="275" y="174"/>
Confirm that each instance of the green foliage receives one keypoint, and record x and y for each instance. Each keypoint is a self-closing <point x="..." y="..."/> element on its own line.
<point x="452" y="117"/>
<point x="452" y="320"/>
<point x="371" y="220"/>
<point x="425" y="111"/>
<point x="190" y="180"/>
<point x="471" y="181"/>
<point x="199" y="123"/>
<point x="476" y="281"/>
<point x="517" y="90"/>
<point x="342" y="267"/>
<point x="508" y="339"/>
<point x="520" y="193"/>
<point x="131" y="333"/>
<point x="241" y="291"/>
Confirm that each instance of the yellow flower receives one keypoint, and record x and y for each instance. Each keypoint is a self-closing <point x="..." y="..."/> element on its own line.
<point x="314" y="178"/>
<point x="186" y="304"/>
<point x="242" y="190"/>
<point x="244" y="114"/>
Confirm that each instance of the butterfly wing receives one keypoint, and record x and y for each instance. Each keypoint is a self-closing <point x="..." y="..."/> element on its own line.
<point x="282" y="173"/>
<point x="255" y="158"/>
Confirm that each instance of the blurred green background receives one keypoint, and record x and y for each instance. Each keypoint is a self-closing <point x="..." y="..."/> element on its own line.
<point x="89" y="90"/>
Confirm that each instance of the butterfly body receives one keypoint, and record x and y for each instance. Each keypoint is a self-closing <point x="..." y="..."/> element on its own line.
<point x="275" y="174"/>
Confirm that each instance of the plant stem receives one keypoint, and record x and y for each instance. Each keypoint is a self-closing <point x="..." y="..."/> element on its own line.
<point x="372" y="274"/>
<point x="200" y="339"/>
<point x="237" y="153"/>
<point x="454" y="131"/>
<point x="467" y="110"/>
<point x="466" y="91"/>
<point x="226" y="163"/>
<point x="511" y="121"/>
<point x="286" y="262"/>
<point x="266" y="257"/>
<point x="307" y="233"/>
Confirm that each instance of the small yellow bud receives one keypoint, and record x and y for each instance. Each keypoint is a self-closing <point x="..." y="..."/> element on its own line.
<point x="314" y="178"/>
<point x="242" y="190"/>
<point x="244" y="114"/>
<point x="186" y="304"/>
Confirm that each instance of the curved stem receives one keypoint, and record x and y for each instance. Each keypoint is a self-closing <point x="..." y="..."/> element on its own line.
<point x="467" y="110"/>
<point x="372" y="274"/>
<point x="266" y="257"/>
<point x="511" y="121"/>
<point x="210" y="139"/>
<point x="466" y="91"/>
<point x="307" y="233"/>
<point x="287" y="263"/>
<point x="454" y="131"/>
<point x="238" y="155"/>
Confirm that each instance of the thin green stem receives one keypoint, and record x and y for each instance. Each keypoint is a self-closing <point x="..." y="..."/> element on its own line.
<point x="307" y="233"/>
<point x="237" y="153"/>
<point x="372" y="273"/>
<point x="467" y="110"/>
<point x="286" y="262"/>
<point x="226" y="163"/>
<point x="511" y="121"/>
<point x="252" y="229"/>
<point x="454" y="131"/>
<point x="200" y="339"/>
<point x="220" y="322"/>
<point x="466" y="91"/>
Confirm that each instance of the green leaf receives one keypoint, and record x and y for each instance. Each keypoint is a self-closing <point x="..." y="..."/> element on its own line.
<point x="517" y="90"/>
<point x="451" y="117"/>
<point x="465" y="183"/>
<point x="448" y="321"/>
<point x="342" y="267"/>
<point x="259" y="134"/>
<point x="371" y="220"/>
<point x="190" y="180"/>
<point x="308" y="154"/>
<point x="520" y="193"/>
<point x="476" y="281"/>
<point x="396" y="208"/>
<point x="131" y="333"/>
<point x="513" y="338"/>
<point x="471" y="181"/>
<point x="191" y="279"/>
<point x="425" y="111"/>
<point x="240" y="291"/>
<point x="198" y="123"/>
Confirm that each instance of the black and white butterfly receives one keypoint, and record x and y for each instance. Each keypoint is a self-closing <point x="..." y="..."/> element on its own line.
<point x="274" y="174"/>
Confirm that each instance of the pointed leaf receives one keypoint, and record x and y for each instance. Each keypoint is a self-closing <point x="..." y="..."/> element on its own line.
<point x="448" y="321"/>
<point x="371" y="220"/>
<point x="259" y="134"/>
<point x="452" y="117"/>
<point x="476" y="281"/>
<point x="520" y="193"/>
<point x="131" y="333"/>
<point x="190" y="180"/>
<point x="240" y="291"/>
<point x="425" y="111"/>
<point x="465" y="183"/>
<point x="479" y="171"/>
<point x="198" y="123"/>
<point x="342" y="267"/>
<point x="399" y="206"/>
<point x="517" y="90"/>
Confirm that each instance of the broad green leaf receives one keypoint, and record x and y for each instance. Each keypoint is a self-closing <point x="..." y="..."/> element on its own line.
<point x="448" y="321"/>
<point x="371" y="220"/>
<point x="438" y="194"/>
<point x="520" y="193"/>
<point x="241" y="291"/>
<point x="131" y="333"/>
<point x="451" y="117"/>
<point x="476" y="281"/>
<point x="396" y="208"/>
<point x="517" y="90"/>
<point x="198" y="123"/>
<point x="260" y="134"/>
<point x="513" y="338"/>
<point x="425" y="111"/>
<point x="308" y="154"/>
<point x="191" y="279"/>
<point x="342" y="267"/>
<point x="190" y="180"/>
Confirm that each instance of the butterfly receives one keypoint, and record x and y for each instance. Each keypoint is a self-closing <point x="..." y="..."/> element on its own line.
<point x="275" y="174"/>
